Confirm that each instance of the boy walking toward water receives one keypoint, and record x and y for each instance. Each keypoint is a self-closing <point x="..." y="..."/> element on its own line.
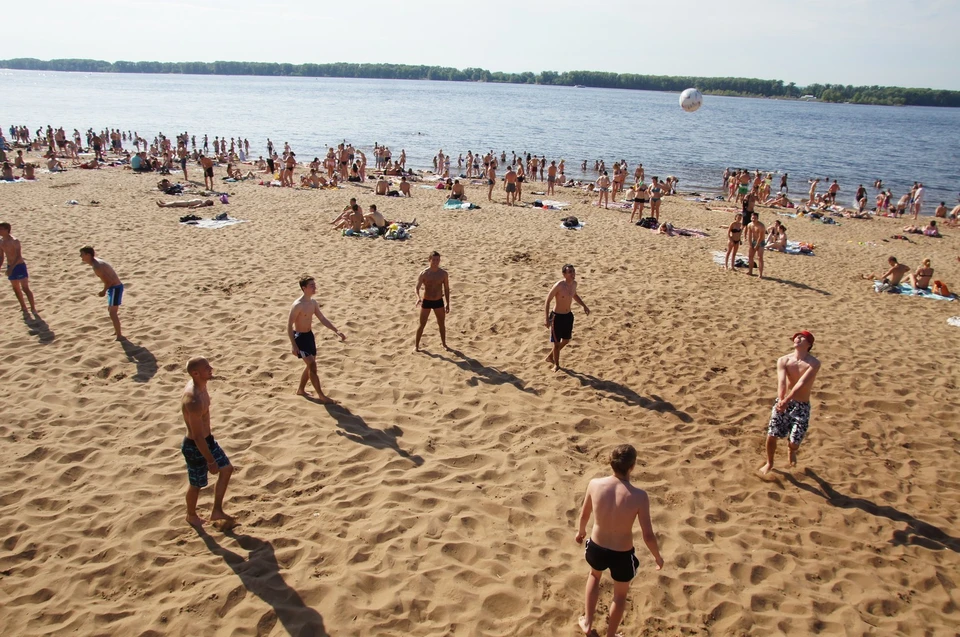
<point x="112" y="287"/>
<point x="299" y="330"/>
<point x="615" y="505"/>
<point x="790" y="416"/>
<point x="200" y="449"/>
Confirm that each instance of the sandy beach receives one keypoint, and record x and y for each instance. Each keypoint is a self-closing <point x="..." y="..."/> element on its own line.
<point x="441" y="496"/>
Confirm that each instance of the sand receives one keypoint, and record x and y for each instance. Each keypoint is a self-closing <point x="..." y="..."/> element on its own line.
<point x="441" y="496"/>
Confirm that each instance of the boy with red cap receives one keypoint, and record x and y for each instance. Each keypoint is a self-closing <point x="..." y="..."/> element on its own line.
<point x="790" y="416"/>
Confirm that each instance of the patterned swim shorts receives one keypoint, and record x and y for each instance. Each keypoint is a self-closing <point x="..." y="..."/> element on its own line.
<point x="792" y="423"/>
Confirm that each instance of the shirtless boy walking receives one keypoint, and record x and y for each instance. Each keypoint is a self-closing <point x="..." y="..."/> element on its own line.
<point x="299" y="330"/>
<point x="112" y="287"/>
<point x="560" y="320"/>
<point x="756" y="243"/>
<point x="436" y="287"/>
<point x="16" y="267"/>
<point x="615" y="504"/>
<point x="200" y="449"/>
<point x="790" y="416"/>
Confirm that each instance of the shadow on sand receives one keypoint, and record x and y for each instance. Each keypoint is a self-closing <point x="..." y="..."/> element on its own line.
<point x="356" y="429"/>
<point x="795" y="284"/>
<point x="917" y="532"/>
<point x="144" y="358"/>
<point x="260" y="574"/>
<point x="625" y="395"/>
<point x="36" y="326"/>
<point x="482" y="373"/>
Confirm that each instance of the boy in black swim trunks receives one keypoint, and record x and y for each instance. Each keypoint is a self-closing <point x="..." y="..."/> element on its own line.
<point x="436" y="287"/>
<point x="299" y="330"/>
<point x="615" y="504"/>
<point x="790" y="416"/>
<point x="560" y="320"/>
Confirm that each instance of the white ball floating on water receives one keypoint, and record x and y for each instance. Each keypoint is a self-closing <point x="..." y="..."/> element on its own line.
<point x="691" y="99"/>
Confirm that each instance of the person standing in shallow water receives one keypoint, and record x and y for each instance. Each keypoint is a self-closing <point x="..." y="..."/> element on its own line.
<point x="615" y="504"/>
<point x="790" y="416"/>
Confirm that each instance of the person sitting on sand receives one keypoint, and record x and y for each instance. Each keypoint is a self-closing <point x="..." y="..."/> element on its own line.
<point x="790" y="416"/>
<point x="931" y="230"/>
<point x="405" y="186"/>
<point x="352" y="219"/>
<point x="777" y="237"/>
<point x="346" y="212"/>
<point x="374" y="219"/>
<point x="311" y="180"/>
<point x="891" y="278"/>
<point x="952" y="219"/>
<point x="7" y="172"/>
<point x="780" y="201"/>
<point x="188" y="203"/>
<point x="18" y="160"/>
<point x="93" y="164"/>
<point x="382" y="186"/>
<point x="920" y="280"/>
<point x="29" y="171"/>
<point x="55" y="166"/>
<point x="234" y="173"/>
<point x="614" y="504"/>
<point x="300" y="333"/>
<point x="200" y="449"/>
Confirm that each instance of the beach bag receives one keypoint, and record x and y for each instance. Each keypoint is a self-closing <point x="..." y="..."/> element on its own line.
<point x="648" y="222"/>
<point x="571" y="222"/>
<point x="939" y="287"/>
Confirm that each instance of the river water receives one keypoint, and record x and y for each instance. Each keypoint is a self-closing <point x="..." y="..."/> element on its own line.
<point x="851" y="143"/>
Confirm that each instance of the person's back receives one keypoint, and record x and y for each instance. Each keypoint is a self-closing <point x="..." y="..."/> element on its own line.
<point x="615" y="507"/>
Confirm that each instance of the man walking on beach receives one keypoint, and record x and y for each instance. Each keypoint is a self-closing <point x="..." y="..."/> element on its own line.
<point x="491" y="180"/>
<point x="112" y="287"/>
<point x="615" y="504"/>
<point x="510" y="185"/>
<point x="207" y="164"/>
<point x="16" y="267"/>
<point x="560" y="320"/>
<point x="299" y="330"/>
<point x="200" y="449"/>
<point x="790" y="416"/>
<point x="436" y="287"/>
<point x="756" y="243"/>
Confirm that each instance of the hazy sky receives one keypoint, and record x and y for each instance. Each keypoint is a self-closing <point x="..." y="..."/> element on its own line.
<point x="887" y="42"/>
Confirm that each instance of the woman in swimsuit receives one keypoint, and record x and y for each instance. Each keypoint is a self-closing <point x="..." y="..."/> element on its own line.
<point x="733" y="243"/>
<point x="655" y="195"/>
<point x="920" y="280"/>
<point x="639" y="199"/>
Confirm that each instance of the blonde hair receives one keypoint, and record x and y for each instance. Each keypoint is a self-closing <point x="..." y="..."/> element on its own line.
<point x="926" y="263"/>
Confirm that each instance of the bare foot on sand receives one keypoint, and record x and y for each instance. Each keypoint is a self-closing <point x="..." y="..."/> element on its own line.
<point x="195" y="520"/>
<point x="792" y="457"/>
<point x="549" y="357"/>
<point x="585" y="627"/>
<point x="222" y="521"/>
<point x="765" y="468"/>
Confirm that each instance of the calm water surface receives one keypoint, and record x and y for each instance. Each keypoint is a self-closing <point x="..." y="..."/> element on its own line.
<point x="852" y="143"/>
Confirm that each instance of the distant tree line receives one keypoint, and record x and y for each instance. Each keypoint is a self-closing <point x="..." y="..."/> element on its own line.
<point x="739" y="86"/>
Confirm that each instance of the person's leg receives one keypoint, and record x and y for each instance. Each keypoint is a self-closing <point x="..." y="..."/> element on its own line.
<point x="441" y="315"/>
<point x="726" y="257"/>
<point x="223" y="481"/>
<point x="19" y="293"/>
<point x="771" y="450"/>
<point x="751" y="253"/>
<point x="620" y="590"/>
<point x="115" y="319"/>
<point x="591" y="595"/>
<point x="733" y="256"/>
<point x="760" y="263"/>
<point x="193" y="493"/>
<point x="315" y="379"/>
<point x="304" y="377"/>
<point x="556" y="351"/>
<point x="424" y="314"/>
<point x="25" y="285"/>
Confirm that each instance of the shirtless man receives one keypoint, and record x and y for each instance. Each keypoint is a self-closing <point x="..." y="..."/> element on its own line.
<point x="187" y="203"/>
<point x="790" y="416"/>
<point x="491" y="180"/>
<point x="382" y="186"/>
<point x="560" y="320"/>
<point x="183" y="156"/>
<point x="813" y="191"/>
<point x="756" y="241"/>
<point x="457" y="191"/>
<point x="200" y="449"/>
<point x="375" y="219"/>
<point x="551" y="177"/>
<point x="733" y="243"/>
<point x="300" y="333"/>
<point x="510" y="185"/>
<point x="112" y="287"/>
<point x="891" y="278"/>
<point x="405" y="187"/>
<point x="207" y="165"/>
<point x="833" y="190"/>
<point x="16" y="267"/>
<point x="941" y="211"/>
<point x="615" y="504"/>
<point x="603" y="186"/>
<point x="436" y="287"/>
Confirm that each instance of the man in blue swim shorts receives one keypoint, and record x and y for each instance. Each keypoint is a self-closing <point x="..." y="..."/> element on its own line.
<point x="16" y="267"/>
<point x="614" y="504"/>
<point x="200" y="449"/>
<point x="112" y="287"/>
<point x="790" y="416"/>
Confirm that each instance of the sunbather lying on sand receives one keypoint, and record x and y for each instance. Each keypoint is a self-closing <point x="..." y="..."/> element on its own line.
<point x="189" y="203"/>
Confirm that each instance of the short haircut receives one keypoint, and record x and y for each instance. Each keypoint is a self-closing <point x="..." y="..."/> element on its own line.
<point x="892" y="259"/>
<point x="434" y="254"/>
<point x="567" y="268"/>
<point x="5" y="226"/>
<point x="88" y="250"/>
<point x="305" y="280"/>
<point x="195" y="363"/>
<point x="622" y="459"/>
<point x="373" y="206"/>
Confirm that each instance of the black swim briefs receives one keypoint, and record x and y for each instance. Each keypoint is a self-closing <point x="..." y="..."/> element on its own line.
<point x="622" y="564"/>
<point x="306" y="344"/>
<point x="435" y="304"/>
<point x="208" y="172"/>
<point x="511" y="187"/>
<point x="562" y="327"/>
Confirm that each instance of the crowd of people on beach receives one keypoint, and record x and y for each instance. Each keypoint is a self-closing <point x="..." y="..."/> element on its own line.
<point x="613" y="501"/>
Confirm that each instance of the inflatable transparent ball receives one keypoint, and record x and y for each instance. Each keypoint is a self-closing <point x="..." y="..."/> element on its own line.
<point x="690" y="100"/>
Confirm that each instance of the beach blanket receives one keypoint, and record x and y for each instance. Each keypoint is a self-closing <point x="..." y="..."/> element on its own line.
<point x="17" y="181"/>
<point x="741" y="261"/>
<point x="904" y="288"/>
<point x="797" y="247"/>
<point x="624" y="205"/>
<point x="213" y="223"/>
<point x="548" y="204"/>
<point x="685" y="232"/>
<point x="456" y="204"/>
<point x="954" y="321"/>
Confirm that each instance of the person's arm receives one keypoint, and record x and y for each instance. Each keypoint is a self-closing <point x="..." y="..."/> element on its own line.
<point x="805" y="381"/>
<point x="585" y="512"/>
<point x="781" y="384"/>
<point x="446" y="290"/>
<point x="326" y="323"/>
<point x="576" y="297"/>
<point x="419" y="285"/>
<point x="97" y="270"/>
<point x="546" y="306"/>
<point x="646" y="528"/>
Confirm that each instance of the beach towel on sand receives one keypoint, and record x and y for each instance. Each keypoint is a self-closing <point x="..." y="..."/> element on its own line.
<point x="905" y="288"/>
<point x="456" y="204"/>
<point x="954" y="321"/>
<point x="579" y="226"/>
<point x="213" y="223"/>
<point x="796" y="247"/>
<point x="741" y="261"/>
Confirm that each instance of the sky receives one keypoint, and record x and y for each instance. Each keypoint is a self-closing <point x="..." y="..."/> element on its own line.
<point x="859" y="42"/>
